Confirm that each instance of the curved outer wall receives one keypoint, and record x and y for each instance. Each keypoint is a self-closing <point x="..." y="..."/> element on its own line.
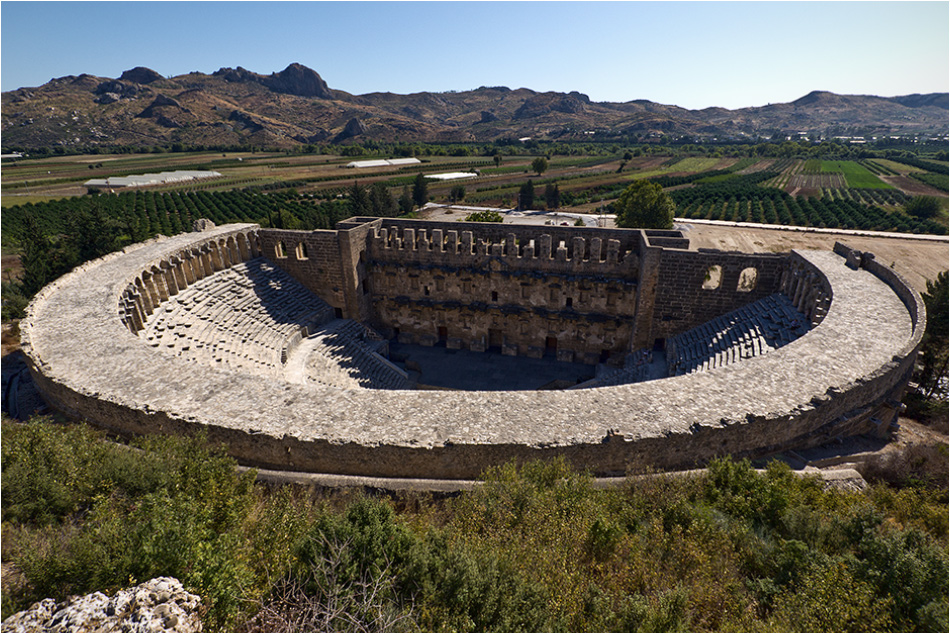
<point x="844" y="377"/>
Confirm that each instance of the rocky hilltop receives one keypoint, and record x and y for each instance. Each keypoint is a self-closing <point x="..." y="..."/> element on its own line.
<point x="235" y="106"/>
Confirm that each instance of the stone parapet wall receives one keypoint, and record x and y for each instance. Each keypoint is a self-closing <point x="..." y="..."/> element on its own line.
<point x="312" y="257"/>
<point x="688" y="293"/>
<point x="539" y="250"/>
<point x="844" y="377"/>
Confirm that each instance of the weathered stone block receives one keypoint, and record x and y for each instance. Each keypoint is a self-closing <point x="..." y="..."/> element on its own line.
<point x="535" y="352"/>
<point x="590" y="358"/>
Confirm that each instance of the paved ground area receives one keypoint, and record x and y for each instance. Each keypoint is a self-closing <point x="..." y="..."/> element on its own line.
<point x="489" y="371"/>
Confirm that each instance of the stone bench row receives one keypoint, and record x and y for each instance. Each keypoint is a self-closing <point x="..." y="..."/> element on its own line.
<point x="346" y="356"/>
<point x="243" y="317"/>
<point x="747" y="332"/>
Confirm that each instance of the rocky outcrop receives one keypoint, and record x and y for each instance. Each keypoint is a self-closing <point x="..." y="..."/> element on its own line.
<point x="159" y="605"/>
<point x="248" y="121"/>
<point x="354" y="127"/>
<point x="296" y="79"/>
<point x="161" y="102"/>
<point x="544" y="103"/>
<point x="118" y="87"/>
<point x="140" y="75"/>
<point x="299" y="80"/>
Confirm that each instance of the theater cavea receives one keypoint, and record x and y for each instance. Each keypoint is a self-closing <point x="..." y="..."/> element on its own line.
<point x="278" y="344"/>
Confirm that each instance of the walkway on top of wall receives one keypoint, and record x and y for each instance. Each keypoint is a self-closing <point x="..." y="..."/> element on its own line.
<point x="797" y="229"/>
<point x="866" y="326"/>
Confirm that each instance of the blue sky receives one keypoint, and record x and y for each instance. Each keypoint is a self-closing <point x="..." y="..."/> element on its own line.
<point x="691" y="54"/>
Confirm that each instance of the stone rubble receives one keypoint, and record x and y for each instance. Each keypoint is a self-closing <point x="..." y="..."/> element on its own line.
<point x="159" y="605"/>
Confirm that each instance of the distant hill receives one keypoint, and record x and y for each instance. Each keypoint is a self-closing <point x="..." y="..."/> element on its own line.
<point x="234" y="106"/>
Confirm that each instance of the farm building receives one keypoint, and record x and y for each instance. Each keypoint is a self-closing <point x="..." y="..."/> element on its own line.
<point x="384" y="162"/>
<point x="144" y="180"/>
<point x="451" y="176"/>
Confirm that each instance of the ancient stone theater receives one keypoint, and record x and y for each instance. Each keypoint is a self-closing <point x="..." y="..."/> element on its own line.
<point x="282" y="345"/>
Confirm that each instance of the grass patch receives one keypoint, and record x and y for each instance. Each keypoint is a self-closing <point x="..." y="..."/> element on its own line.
<point x="855" y="174"/>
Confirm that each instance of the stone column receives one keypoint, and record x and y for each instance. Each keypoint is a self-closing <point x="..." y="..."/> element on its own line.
<point x="646" y="292"/>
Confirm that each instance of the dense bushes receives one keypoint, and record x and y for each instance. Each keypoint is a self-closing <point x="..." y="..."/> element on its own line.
<point x="537" y="547"/>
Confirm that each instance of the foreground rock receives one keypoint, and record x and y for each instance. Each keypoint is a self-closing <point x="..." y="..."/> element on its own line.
<point x="159" y="605"/>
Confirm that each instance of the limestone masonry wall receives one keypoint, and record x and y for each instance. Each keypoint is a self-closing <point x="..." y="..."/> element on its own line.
<point x="845" y="376"/>
<point x="694" y="286"/>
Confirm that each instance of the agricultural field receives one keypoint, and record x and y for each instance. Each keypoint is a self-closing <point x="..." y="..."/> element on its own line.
<point x="893" y="167"/>
<point x="856" y="175"/>
<point x="52" y="225"/>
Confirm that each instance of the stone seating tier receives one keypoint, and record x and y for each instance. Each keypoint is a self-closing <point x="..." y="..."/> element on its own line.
<point x="750" y="331"/>
<point x="239" y="318"/>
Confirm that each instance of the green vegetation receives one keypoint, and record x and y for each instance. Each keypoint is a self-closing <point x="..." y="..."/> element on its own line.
<point x="932" y="374"/>
<point x="937" y="181"/>
<point x="857" y="175"/>
<point x="484" y="216"/>
<point x="457" y="193"/>
<point x="923" y="206"/>
<point x="743" y="199"/>
<point x="420" y="190"/>
<point x="536" y="548"/>
<point x="645" y="205"/>
<point x="539" y="165"/>
<point x="526" y="195"/>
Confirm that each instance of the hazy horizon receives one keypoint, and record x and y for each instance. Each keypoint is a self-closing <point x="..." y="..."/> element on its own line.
<point x="690" y="54"/>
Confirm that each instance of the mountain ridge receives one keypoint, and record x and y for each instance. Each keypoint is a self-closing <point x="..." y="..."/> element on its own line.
<point x="236" y="106"/>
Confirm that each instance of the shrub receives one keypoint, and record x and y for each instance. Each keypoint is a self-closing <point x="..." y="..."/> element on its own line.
<point x="51" y="472"/>
<point x="108" y="516"/>
<point x="484" y="216"/>
<point x="914" y="465"/>
<point x="830" y="598"/>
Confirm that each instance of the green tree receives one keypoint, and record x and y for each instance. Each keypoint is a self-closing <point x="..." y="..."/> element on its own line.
<point x="552" y="196"/>
<point x="539" y="165"/>
<point x="526" y="196"/>
<point x="381" y="202"/>
<point x="359" y="200"/>
<point x="645" y="205"/>
<point x="405" y="201"/>
<point x="933" y="350"/>
<point x="457" y="193"/>
<point x="923" y="206"/>
<point x="420" y="190"/>
<point x="497" y="158"/>
<point x="484" y="216"/>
